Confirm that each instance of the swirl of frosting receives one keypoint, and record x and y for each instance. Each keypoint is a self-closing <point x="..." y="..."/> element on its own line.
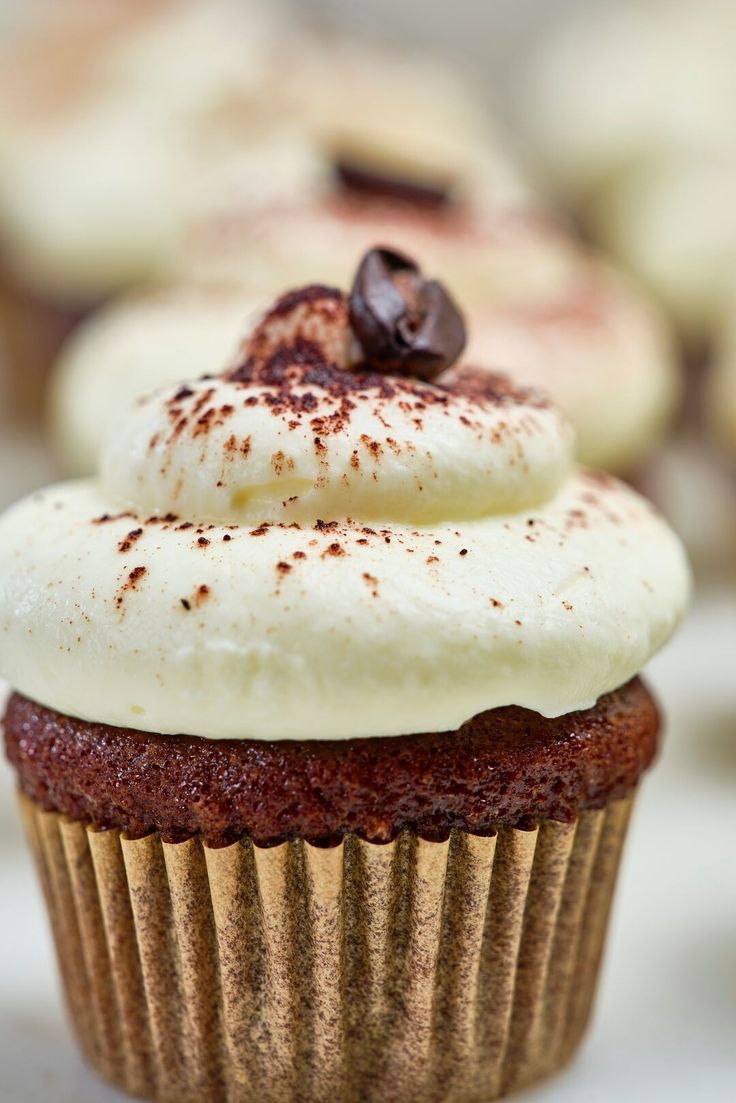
<point x="292" y="436"/>
<point x="306" y="548"/>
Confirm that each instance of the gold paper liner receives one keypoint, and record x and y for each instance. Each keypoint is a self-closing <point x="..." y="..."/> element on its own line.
<point x="413" y="971"/>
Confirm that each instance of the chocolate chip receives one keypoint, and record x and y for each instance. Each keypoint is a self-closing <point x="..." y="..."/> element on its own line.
<point x="369" y="181"/>
<point x="404" y="323"/>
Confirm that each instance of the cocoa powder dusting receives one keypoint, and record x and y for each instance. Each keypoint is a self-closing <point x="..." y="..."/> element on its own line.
<point x="127" y="542"/>
<point x="130" y="585"/>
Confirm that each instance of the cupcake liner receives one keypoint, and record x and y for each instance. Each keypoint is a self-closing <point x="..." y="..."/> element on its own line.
<point x="409" y="971"/>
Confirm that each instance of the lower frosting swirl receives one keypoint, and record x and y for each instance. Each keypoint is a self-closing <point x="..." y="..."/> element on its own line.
<point x="332" y="630"/>
<point x="235" y="573"/>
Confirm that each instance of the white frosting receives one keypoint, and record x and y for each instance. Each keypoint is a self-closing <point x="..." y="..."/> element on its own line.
<point x="383" y="639"/>
<point x="184" y="592"/>
<point x="414" y="457"/>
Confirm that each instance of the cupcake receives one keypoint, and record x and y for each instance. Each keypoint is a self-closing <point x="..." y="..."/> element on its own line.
<point x="387" y="119"/>
<point x="671" y="221"/>
<point x="648" y="161"/>
<point x="541" y="310"/>
<point x="101" y="109"/>
<point x="180" y="105"/>
<point x="175" y="108"/>
<point x="98" y="169"/>
<point x="130" y="346"/>
<point x="589" y="126"/>
<point x="327" y="720"/>
<point x="720" y="397"/>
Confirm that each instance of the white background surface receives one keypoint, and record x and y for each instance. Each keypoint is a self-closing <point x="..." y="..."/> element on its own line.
<point x="665" y="1028"/>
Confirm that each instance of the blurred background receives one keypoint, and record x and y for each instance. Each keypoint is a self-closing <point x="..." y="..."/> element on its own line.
<point x="568" y="167"/>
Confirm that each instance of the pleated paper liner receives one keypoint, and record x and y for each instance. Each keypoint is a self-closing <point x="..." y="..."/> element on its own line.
<point x="411" y="971"/>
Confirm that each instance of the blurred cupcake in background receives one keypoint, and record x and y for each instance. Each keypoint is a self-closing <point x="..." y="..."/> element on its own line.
<point x="389" y="121"/>
<point x="100" y="111"/>
<point x="541" y="309"/>
<point x="127" y="348"/>
<point x="672" y="221"/>
<point x="124" y="123"/>
<point x="621" y="81"/>
<point x="630" y="108"/>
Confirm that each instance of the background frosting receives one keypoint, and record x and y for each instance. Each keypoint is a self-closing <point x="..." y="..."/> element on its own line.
<point x="537" y="310"/>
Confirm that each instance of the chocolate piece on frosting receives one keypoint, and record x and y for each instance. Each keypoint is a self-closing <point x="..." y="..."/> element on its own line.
<point x="404" y="323"/>
<point x="371" y="181"/>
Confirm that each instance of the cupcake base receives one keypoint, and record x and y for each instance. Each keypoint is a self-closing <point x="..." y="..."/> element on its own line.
<point x="413" y="970"/>
<point x="507" y="767"/>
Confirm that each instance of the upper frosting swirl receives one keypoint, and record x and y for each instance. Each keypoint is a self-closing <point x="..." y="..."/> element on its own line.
<point x="307" y="548"/>
<point x="291" y="436"/>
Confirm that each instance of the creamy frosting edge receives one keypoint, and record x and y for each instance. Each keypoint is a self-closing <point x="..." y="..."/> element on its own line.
<point x="319" y="443"/>
<point x="334" y="632"/>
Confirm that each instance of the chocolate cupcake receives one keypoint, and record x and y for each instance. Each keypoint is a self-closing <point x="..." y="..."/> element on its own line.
<point x="327" y="721"/>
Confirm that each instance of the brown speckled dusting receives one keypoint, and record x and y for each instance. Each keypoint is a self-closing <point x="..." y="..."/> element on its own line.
<point x="284" y="351"/>
<point x="508" y="767"/>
